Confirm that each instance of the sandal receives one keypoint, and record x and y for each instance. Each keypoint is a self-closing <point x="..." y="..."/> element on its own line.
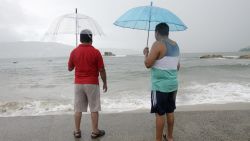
<point x="77" y="134"/>
<point x="165" y="137"/>
<point x="97" y="135"/>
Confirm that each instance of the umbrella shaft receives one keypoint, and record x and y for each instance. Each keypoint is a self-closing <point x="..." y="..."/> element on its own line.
<point x="76" y="29"/>
<point x="147" y="38"/>
<point x="151" y="4"/>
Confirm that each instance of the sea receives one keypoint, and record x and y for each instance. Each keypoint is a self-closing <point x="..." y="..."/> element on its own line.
<point x="43" y="86"/>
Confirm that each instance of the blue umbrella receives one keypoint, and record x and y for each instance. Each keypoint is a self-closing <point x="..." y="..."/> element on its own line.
<point x="147" y="17"/>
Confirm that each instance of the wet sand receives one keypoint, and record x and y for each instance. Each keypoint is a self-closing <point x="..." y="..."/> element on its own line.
<point x="200" y="124"/>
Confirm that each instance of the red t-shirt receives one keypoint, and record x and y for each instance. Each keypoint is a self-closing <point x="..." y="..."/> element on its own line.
<point x="87" y="62"/>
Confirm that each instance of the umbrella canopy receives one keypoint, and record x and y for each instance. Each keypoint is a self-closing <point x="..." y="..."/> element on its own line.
<point x="147" y="17"/>
<point x="73" y="24"/>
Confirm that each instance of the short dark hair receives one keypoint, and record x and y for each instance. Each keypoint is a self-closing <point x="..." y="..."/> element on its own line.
<point x="162" y="29"/>
<point x="86" y="38"/>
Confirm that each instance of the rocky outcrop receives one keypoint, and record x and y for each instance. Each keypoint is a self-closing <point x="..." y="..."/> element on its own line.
<point x="244" y="57"/>
<point x="211" y="56"/>
<point x="109" y="54"/>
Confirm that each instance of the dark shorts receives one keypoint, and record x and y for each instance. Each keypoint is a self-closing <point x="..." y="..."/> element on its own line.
<point x="163" y="103"/>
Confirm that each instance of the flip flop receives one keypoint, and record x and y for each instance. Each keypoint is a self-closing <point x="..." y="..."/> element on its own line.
<point x="77" y="134"/>
<point x="97" y="135"/>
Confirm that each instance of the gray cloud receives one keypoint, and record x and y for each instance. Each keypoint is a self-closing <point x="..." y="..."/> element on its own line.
<point x="16" y="25"/>
<point x="10" y="17"/>
<point x="213" y="25"/>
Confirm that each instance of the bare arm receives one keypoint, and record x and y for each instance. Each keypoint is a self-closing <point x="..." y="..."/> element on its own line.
<point x="71" y="65"/>
<point x="104" y="79"/>
<point x="153" y="55"/>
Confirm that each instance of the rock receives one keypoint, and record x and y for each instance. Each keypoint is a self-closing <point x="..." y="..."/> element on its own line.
<point x="244" y="57"/>
<point x="3" y="110"/>
<point x="108" y="54"/>
<point x="211" y="56"/>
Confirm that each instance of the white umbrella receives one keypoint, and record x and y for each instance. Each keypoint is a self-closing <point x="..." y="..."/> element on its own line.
<point x="72" y="24"/>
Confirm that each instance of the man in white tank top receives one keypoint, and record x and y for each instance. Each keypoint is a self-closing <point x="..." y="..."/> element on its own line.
<point x="163" y="60"/>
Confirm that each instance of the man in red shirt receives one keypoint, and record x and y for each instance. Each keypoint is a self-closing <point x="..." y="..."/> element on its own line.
<point x="88" y="63"/>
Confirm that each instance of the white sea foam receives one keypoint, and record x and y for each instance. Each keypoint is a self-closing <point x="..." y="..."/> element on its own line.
<point x="33" y="108"/>
<point x="127" y="101"/>
<point x="214" y="93"/>
<point x="231" y="57"/>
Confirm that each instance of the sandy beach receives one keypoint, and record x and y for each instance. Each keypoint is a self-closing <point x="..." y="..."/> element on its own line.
<point x="200" y="123"/>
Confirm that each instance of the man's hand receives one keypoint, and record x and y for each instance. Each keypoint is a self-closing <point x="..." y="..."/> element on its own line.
<point x="105" y="87"/>
<point x="104" y="80"/>
<point x="146" y="51"/>
<point x="70" y="69"/>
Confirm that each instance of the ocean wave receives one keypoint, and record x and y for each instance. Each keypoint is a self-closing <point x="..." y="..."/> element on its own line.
<point x="33" y="108"/>
<point x="117" y="56"/>
<point x="239" y="66"/>
<point x="130" y="100"/>
<point x="123" y="101"/>
<point x="214" y="93"/>
<point x="231" y="57"/>
<point x="127" y="101"/>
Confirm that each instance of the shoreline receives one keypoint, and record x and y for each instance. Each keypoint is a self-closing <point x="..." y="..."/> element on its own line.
<point x="182" y="108"/>
<point x="202" y="107"/>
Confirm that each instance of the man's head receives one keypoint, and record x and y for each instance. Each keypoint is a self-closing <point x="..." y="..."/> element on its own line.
<point x="86" y="36"/>
<point x="161" y="30"/>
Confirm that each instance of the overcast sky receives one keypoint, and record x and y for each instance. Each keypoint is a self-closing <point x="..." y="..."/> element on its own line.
<point x="213" y="25"/>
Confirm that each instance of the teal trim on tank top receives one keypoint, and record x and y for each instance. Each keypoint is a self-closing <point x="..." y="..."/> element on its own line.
<point x="164" y="80"/>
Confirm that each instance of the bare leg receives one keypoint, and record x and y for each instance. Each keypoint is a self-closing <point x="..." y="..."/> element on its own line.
<point x="170" y="121"/>
<point x="160" y="121"/>
<point x="94" y="118"/>
<point x="78" y="116"/>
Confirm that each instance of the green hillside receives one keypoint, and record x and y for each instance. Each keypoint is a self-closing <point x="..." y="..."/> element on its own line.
<point x="245" y="49"/>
